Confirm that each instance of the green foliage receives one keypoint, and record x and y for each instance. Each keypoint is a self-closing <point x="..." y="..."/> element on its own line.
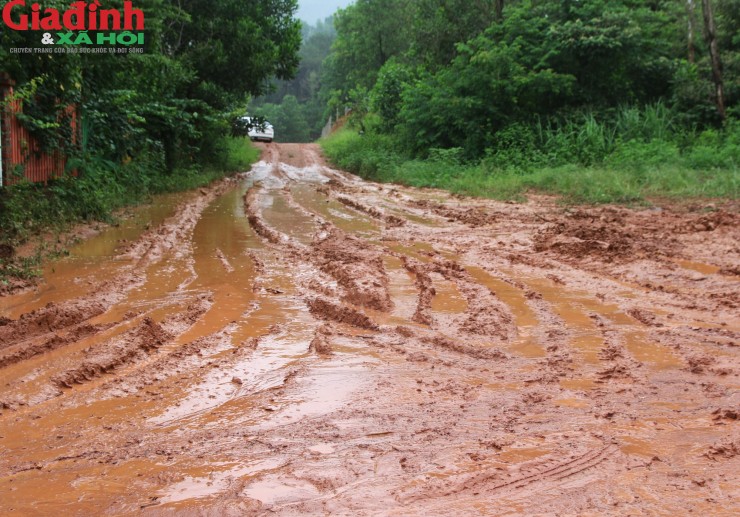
<point x="439" y="25"/>
<point x="618" y="170"/>
<point x="168" y="103"/>
<point x="370" y="155"/>
<point x="369" y="33"/>
<point x="692" y="96"/>
<point x="150" y="122"/>
<point x="386" y="96"/>
<point x="485" y="89"/>
<point x="25" y="268"/>
<point x="305" y="122"/>
<point x="541" y="61"/>
<point x="234" y="46"/>
<point x="619" y="52"/>
<point x="467" y="77"/>
<point x="590" y="100"/>
<point x="288" y="118"/>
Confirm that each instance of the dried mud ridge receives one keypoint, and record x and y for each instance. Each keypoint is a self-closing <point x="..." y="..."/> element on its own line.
<point x="296" y="341"/>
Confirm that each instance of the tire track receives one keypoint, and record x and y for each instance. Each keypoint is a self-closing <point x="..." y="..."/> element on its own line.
<point x="290" y="348"/>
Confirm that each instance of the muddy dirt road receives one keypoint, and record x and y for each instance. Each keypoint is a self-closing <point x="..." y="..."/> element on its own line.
<point x="296" y="341"/>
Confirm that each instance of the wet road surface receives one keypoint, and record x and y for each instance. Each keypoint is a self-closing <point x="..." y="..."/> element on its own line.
<point x="297" y="341"/>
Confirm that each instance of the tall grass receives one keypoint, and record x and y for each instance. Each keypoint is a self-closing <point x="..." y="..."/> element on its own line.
<point x="628" y="157"/>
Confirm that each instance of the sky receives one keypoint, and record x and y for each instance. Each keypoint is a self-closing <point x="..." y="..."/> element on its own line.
<point x="312" y="10"/>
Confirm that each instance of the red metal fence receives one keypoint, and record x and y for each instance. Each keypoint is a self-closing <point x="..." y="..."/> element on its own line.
<point x="21" y="153"/>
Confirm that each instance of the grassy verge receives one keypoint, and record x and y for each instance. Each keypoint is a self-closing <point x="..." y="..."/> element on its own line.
<point x="631" y="171"/>
<point x="28" y="209"/>
<point x="238" y="155"/>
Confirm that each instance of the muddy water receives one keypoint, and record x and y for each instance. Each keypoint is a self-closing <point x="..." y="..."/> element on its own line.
<point x="261" y="348"/>
<point x="287" y="219"/>
<point x="221" y="268"/>
<point x="345" y="218"/>
<point x="91" y="259"/>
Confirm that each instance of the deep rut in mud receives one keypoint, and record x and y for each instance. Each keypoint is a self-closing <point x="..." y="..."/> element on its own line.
<point x="297" y="341"/>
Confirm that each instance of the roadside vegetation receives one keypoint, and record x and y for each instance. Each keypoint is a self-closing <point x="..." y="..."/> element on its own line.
<point x="598" y="101"/>
<point x="152" y="122"/>
<point x="585" y="161"/>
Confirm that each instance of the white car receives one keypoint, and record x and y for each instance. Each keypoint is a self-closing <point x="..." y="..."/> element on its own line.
<point x="264" y="131"/>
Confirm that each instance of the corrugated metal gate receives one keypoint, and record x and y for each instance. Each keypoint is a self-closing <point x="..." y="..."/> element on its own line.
<point x="20" y="152"/>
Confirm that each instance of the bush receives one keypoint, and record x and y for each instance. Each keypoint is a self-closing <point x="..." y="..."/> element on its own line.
<point x="639" y="156"/>
<point x="630" y="156"/>
<point x="371" y="155"/>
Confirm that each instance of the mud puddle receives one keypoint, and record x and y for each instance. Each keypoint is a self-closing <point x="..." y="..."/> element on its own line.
<point x="344" y="218"/>
<point x="91" y="259"/>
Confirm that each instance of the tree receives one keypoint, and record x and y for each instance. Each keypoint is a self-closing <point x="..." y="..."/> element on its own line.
<point x="544" y="60"/>
<point x="489" y="85"/>
<point x="287" y="118"/>
<point x="386" y="96"/>
<point x="235" y="46"/>
<point x="369" y="33"/>
<point x="307" y="85"/>
<point x="439" y="25"/>
<point x="166" y="106"/>
<point x="710" y="29"/>
<point x="690" y="8"/>
<point x="499" y="8"/>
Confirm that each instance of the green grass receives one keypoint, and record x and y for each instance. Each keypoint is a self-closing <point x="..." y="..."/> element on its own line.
<point x="582" y="164"/>
<point x="24" y="268"/>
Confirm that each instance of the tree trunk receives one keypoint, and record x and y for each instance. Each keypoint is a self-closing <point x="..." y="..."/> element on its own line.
<point x="711" y="35"/>
<point x="690" y="7"/>
<point x="499" y="6"/>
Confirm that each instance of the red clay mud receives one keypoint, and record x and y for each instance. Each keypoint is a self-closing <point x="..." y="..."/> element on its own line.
<point x="356" y="266"/>
<point x="46" y="320"/>
<point x="297" y="341"/>
<point x="390" y="220"/>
